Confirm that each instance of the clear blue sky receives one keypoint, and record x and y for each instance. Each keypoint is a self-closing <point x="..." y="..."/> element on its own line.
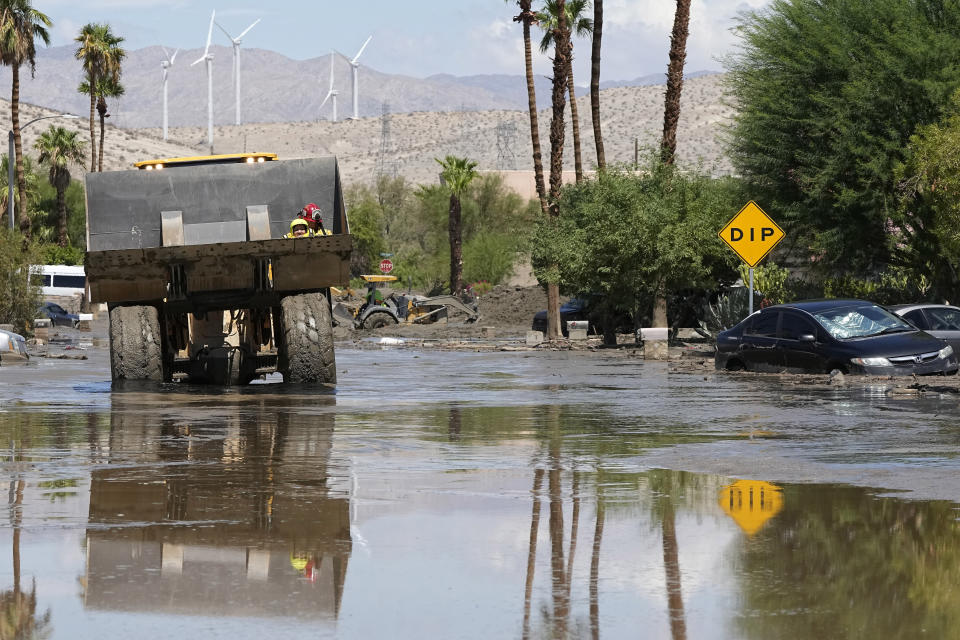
<point x="416" y="38"/>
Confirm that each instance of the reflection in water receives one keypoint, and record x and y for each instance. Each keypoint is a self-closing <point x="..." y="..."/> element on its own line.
<point x="18" y="609"/>
<point x="231" y="517"/>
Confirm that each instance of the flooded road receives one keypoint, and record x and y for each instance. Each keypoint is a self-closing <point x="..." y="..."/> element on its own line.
<point x="477" y="495"/>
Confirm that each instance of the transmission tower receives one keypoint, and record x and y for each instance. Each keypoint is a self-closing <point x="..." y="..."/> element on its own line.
<point x="506" y="136"/>
<point x="387" y="164"/>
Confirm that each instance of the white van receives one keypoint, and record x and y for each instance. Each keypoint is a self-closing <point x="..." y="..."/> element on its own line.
<point x="61" y="280"/>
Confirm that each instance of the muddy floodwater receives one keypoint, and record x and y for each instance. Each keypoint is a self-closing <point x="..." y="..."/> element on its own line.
<point x="477" y="495"/>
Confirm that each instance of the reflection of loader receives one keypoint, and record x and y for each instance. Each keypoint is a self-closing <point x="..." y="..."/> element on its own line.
<point x="379" y="311"/>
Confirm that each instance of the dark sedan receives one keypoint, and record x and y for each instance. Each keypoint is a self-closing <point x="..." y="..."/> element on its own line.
<point x="59" y="316"/>
<point x="819" y="336"/>
<point x="939" y="320"/>
<point x="581" y="309"/>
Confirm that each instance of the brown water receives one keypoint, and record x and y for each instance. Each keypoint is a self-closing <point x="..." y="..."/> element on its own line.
<point x="477" y="495"/>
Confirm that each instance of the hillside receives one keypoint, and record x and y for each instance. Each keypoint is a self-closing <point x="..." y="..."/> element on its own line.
<point x="275" y="88"/>
<point x="417" y="138"/>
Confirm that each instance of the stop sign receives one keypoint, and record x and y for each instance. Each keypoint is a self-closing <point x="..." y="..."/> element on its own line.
<point x="386" y="266"/>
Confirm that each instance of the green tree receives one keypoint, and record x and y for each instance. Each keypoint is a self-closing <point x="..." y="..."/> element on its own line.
<point x="20" y="26"/>
<point x="19" y="297"/>
<point x="580" y="26"/>
<point x="871" y="72"/>
<point x="457" y="175"/>
<point x="629" y="236"/>
<point x="101" y="55"/>
<point x="59" y="147"/>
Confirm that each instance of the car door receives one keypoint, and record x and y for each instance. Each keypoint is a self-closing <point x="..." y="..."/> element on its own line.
<point x="800" y="356"/>
<point x="944" y="323"/>
<point x="758" y="346"/>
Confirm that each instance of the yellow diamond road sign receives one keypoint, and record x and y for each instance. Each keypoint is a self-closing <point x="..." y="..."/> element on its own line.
<point x="751" y="234"/>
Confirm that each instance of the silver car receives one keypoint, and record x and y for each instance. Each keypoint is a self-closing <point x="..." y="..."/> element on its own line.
<point x="13" y="347"/>
<point x="939" y="320"/>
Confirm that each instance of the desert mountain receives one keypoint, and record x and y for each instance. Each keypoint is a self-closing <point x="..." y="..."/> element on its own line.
<point x="274" y="88"/>
<point x="630" y="116"/>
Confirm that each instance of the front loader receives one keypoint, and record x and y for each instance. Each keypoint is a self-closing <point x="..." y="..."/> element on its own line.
<point x="201" y="285"/>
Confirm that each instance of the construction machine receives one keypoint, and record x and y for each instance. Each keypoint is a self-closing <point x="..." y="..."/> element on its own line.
<point x="378" y="310"/>
<point x="189" y="256"/>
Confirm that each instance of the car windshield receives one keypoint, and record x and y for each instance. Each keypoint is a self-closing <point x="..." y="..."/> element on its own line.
<point x="861" y="321"/>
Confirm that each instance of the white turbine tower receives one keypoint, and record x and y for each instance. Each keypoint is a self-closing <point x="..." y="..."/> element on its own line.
<point x="355" y="67"/>
<point x="208" y="57"/>
<point x="236" y="60"/>
<point x="165" y="66"/>
<point x="332" y="93"/>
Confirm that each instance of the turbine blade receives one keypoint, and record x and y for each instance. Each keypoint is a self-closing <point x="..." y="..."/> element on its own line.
<point x="209" y="33"/>
<point x="248" y="28"/>
<point x="331" y="73"/>
<point x="166" y="54"/>
<point x="224" y="30"/>
<point x="325" y="99"/>
<point x="174" y="56"/>
<point x="200" y="59"/>
<point x="359" y="53"/>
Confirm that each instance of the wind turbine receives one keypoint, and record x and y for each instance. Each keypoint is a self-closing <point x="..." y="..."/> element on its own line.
<point x="332" y="93"/>
<point x="355" y="68"/>
<point x="236" y="60"/>
<point x="208" y="57"/>
<point x="165" y="66"/>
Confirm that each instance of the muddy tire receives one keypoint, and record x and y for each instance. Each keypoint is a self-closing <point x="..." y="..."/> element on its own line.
<point x="306" y="341"/>
<point x="135" y="344"/>
<point x="377" y="320"/>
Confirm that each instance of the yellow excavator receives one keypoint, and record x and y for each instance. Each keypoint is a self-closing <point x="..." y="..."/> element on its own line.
<point x="378" y="310"/>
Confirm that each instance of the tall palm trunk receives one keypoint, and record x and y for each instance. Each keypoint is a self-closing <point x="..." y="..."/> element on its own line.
<point x="532" y="551"/>
<point x="561" y="602"/>
<point x="62" y="213"/>
<point x="561" y="60"/>
<point x="595" y="82"/>
<point x="671" y="566"/>
<point x="577" y="163"/>
<point x="526" y="17"/>
<point x="18" y="151"/>
<point x="93" y="135"/>
<point x="595" y="567"/>
<point x="671" y="106"/>
<point x="456" y="249"/>
<point x="102" y="112"/>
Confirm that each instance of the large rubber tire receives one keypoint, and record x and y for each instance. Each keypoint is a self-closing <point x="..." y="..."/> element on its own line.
<point x="378" y="319"/>
<point x="135" y="344"/>
<point x="306" y="345"/>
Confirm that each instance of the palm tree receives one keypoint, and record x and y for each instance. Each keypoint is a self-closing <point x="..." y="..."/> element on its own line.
<point x="671" y="107"/>
<point x="457" y="174"/>
<point x="582" y="27"/>
<point x="107" y="87"/>
<point x="59" y="147"/>
<point x="526" y="17"/>
<point x="595" y="82"/>
<point x="561" y="62"/>
<point x="101" y="55"/>
<point x="20" y="26"/>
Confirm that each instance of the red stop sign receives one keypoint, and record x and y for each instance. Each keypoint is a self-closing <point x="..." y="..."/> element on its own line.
<point x="386" y="266"/>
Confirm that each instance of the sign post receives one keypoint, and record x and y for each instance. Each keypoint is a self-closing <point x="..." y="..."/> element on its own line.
<point x="752" y="234"/>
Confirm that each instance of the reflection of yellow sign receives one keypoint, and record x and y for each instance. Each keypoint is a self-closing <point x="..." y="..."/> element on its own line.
<point x="751" y="503"/>
<point x="751" y="234"/>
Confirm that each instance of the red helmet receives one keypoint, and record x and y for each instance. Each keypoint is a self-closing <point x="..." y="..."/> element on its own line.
<point x="310" y="211"/>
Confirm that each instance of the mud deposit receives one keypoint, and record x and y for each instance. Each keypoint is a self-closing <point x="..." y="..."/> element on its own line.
<point x="490" y="494"/>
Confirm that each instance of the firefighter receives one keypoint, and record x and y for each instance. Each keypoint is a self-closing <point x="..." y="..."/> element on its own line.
<point x="314" y="217"/>
<point x="298" y="229"/>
